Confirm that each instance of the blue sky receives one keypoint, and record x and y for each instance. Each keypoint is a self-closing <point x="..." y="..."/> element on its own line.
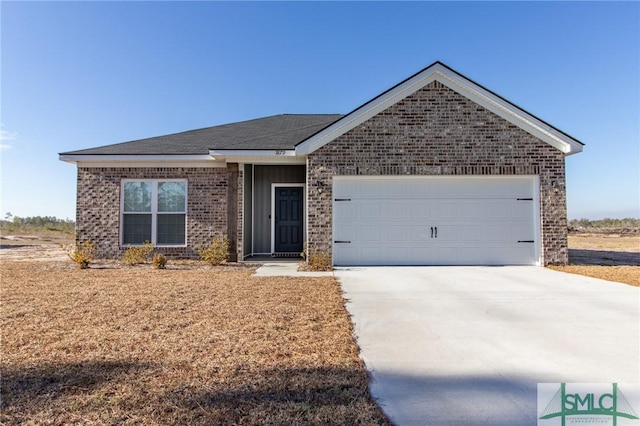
<point x="84" y="74"/>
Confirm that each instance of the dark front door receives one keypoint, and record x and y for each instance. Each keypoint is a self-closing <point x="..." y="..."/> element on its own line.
<point x="289" y="219"/>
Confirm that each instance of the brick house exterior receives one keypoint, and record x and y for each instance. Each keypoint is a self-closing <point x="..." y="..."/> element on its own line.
<point x="98" y="206"/>
<point x="436" y="123"/>
<point x="479" y="143"/>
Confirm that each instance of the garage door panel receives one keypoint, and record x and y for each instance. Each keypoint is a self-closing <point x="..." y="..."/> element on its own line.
<point x="522" y="233"/>
<point x="397" y="233"/>
<point x="419" y="210"/>
<point x="395" y="210"/>
<point x="418" y="254"/>
<point x="478" y="221"/>
<point x="397" y="255"/>
<point x="395" y="189"/>
<point x="471" y="210"/>
<point x="499" y="209"/>
<point x="469" y="233"/>
<point x="444" y="189"/>
<point x="445" y="210"/>
<point x="368" y="189"/>
<point x="419" y="233"/>
<point x="496" y="256"/>
<point x="346" y="211"/>
<point x="498" y="232"/>
<point x="348" y="255"/>
<point x="374" y="254"/>
<point x="369" y="233"/>
<point x="444" y="256"/>
<point x="444" y="233"/>
<point x="523" y="209"/>
<point x="346" y="189"/>
<point x="512" y="254"/>
<point x="370" y="210"/>
<point x="418" y="190"/>
<point x="346" y="232"/>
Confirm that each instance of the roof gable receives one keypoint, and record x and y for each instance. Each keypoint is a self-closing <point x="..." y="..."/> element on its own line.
<point x="458" y="83"/>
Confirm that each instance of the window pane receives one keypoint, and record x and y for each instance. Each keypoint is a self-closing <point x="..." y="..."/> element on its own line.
<point x="171" y="229"/>
<point x="137" y="196"/>
<point x="136" y="228"/>
<point x="171" y="197"/>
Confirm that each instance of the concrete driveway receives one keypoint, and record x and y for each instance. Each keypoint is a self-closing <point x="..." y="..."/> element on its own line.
<point x="468" y="345"/>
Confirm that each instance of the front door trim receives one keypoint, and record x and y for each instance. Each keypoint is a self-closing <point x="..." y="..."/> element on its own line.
<point x="273" y="211"/>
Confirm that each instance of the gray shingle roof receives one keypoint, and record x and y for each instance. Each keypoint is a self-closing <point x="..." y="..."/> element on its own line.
<point x="274" y="132"/>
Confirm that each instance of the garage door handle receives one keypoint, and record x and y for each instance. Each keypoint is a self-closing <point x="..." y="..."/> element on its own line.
<point x="525" y="241"/>
<point x="432" y="232"/>
<point x="342" y="242"/>
<point x="436" y="232"/>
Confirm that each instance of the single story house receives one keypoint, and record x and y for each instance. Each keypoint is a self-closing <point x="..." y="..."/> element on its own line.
<point x="437" y="170"/>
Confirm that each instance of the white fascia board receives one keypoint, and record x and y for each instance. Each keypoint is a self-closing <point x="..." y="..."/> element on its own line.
<point x="141" y="160"/>
<point x="215" y="153"/>
<point x="459" y="84"/>
<point x="258" y="156"/>
<point x="267" y="160"/>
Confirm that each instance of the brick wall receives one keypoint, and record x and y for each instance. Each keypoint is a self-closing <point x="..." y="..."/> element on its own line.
<point x="98" y="207"/>
<point x="436" y="131"/>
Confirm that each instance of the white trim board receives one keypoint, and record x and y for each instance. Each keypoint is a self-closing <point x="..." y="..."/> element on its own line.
<point x="88" y="161"/>
<point x="252" y="152"/>
<point x="257" y="156"/>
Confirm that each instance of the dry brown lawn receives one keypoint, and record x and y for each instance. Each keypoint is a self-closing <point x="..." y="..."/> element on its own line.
<point x="610" y="257"/>
<point x="622" y="274"/>
<point x="203" y="346"/>
<point x="607" y="242"/>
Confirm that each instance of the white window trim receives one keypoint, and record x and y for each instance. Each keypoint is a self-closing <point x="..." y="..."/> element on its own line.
<point x="154" y="211"/>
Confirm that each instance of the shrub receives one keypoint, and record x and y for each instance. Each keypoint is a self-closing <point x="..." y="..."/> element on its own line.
<point x="159" y="261"/>
<point x="303" y="254"/>
<point x="217" y="252"/>
<point x="137" y="255"/>
<point x="319" y="261"/>
<point x="81" y="253"/>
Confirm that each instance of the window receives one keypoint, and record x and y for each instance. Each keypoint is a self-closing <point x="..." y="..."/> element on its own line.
<point x="154" y="210"/>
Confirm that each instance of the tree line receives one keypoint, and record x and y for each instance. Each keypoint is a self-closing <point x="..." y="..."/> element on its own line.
<point x="12" y="223"/>
<point x="605" y="223"/>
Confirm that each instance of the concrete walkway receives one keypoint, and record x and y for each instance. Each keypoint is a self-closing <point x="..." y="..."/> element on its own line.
<point x="468" y="345"/>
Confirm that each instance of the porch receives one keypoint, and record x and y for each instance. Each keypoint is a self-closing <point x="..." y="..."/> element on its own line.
<point x="273" y="212"/>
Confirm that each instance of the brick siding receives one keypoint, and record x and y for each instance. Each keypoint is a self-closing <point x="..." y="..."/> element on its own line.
<point x="437" y="131"/>
<point x="98" y="206"/>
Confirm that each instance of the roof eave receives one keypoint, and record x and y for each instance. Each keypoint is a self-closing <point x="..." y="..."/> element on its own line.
<point x="129" y="160"/>
<point x="259" y="156"/>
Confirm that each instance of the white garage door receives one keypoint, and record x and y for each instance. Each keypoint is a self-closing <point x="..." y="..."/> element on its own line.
<point x="435" y="220"/>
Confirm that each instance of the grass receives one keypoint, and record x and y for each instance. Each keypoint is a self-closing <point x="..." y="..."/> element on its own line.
<point x="622" y="274"/>
<point x="611" y="243"/>
<point x="605" y="242"/>
<point x="205" y="346"/>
